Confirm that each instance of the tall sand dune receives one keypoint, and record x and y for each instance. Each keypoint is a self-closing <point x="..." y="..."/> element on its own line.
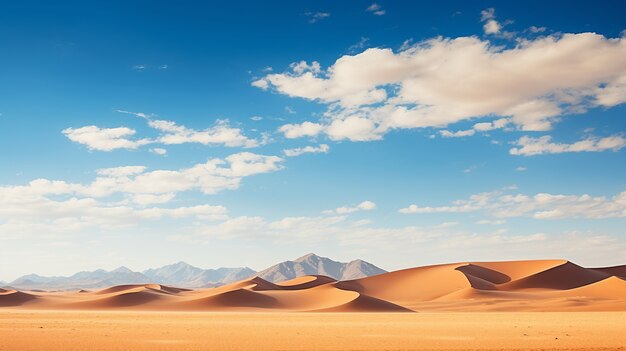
<point x="238" y="298"/>
<point x="618" y="271"/>
<point x="563" y="277"/>
<point x="537" y="285"/>
<point x="11" y="298"/>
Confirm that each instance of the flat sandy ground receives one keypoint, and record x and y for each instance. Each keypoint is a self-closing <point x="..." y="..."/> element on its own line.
<point x="82" y="330"/>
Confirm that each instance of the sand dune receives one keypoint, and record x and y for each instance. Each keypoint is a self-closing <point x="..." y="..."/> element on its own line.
<point x="9" y="298"/>
<point x="562" y="277"/>
<point x="306" y="282"/>
<point x="619" y="271"/>
<point x="541" y="285"/>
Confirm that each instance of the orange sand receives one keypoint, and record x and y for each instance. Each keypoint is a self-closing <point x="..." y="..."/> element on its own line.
<point x="546" y="285"/>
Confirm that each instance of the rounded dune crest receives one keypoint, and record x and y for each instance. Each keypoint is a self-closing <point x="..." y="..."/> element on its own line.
<point x="243" y="298"/>
<point x="9" y="298"/>
<point x="305" y="282"/>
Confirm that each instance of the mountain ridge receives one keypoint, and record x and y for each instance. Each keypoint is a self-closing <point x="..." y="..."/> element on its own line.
<point x="184" y="275"/>
<point x="312" y="264"/>
<point x="527" y="285"/>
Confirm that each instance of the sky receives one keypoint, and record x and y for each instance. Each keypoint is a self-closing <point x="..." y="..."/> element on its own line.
<point x="246" y="133"/>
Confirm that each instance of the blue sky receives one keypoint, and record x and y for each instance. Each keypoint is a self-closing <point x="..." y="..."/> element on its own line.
<point x="401" y="133"/>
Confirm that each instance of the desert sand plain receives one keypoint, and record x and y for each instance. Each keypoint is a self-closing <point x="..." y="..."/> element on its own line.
<point x="517" y="305"/>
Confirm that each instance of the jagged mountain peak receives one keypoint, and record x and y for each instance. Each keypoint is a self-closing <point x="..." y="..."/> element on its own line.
<point x="184" y="275"/>
<point x="312" y="264"/>
<point x="122" y="269"/>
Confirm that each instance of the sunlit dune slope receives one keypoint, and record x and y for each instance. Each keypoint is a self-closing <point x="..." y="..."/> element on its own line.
<point x="539" y="285"/>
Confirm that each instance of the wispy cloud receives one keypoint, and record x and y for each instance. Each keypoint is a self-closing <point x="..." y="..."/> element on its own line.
<point x="144" y="67"/>
<point x="539" y="206"/>
<point x="105" y="139"/>
<point x="376" y="9"/>
<point x="529" y="146"/>
<point x="360" y="45"/>
<point x="171" y="133"/>
<point x="322" y="149"/>
<point x="363" y="206"/>
<point x="492" y="26"/>
<point x="315" y="17"/>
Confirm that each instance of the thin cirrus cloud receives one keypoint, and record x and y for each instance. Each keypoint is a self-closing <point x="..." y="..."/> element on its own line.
<point x="376" y="9"/>
<point x="529" y="146"/>
<point x="440" y="239"/>
<point x="343" y="210"/>
<point x="478" y="127"/>
<point x="379" y="90"/>
<point x="171" y="133"/>
<point x="539" y="206"/>
<point x="315" y="17"/>
<point x="321" y="149"/>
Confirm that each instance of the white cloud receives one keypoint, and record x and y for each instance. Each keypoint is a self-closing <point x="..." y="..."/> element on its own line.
<point x="458" y="134"/>
<point x="323" y="148"/>
<point x="149" y="199"/>
<point x="261" y="84"/>
<point x="219" y="134"/>
<point x="354" y="128"/>
<point x="487" y="14"/>
<point x="256" y="118"/>
<point x="315" y="17"/>
<point x="293" y="131"/>
<point x="378" y="90"/>
<point x="363" y="206"/>
<point x="287" y="228"/>
<point x="302" y="67"/>
<point x="171" y="133"/>
<point x="539" y="206"/>
<point x="487" y="126"/>
<point x="478" y="127"/>
<point x="529" y="146"/>
<point x="105" y="139"/>
<point x="143" y="67"/>
<point x="492" y="27"/>
<point x="521" y="169"/>
<point x="375" y="9"/>
<point x="36" y="213"/>
<point x="123" y="171"/>
<point x="443" y="242"/>
<point x="158" y="151"/>
<point x="53" y="205"/>
<point x="210" y="177"/>
<point x="491" y="222"/>
<point x="535" y="29"/>
<point x="360" y="45"/>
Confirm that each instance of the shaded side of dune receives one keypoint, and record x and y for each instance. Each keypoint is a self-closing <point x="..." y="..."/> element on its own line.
<point x="10" y="298"/>
<point x="563" y="277"/>
<point x="234" y="298"/>
<point x="364" y="303"/>
<point x="470" y="286"/>
<point x="618" y="271"/>
<point x="123" y="299"/>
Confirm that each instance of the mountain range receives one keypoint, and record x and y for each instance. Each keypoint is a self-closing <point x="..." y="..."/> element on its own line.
<point x="184" y="275"/>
